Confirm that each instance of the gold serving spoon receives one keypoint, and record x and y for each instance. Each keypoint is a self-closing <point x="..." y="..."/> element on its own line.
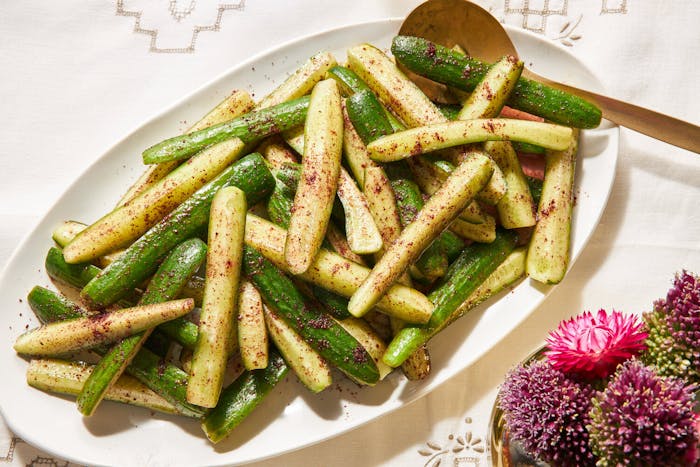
<point x="460" y="22"/>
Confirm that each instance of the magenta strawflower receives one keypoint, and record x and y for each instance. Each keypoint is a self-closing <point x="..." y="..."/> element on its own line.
<point x="643" y="418"/>
<point x="674" y="330"/>
<point x="547" y="412"/>
<point x="592" y="346"/>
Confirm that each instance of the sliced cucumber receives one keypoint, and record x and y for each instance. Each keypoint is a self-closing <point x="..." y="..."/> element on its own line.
<point x="317" y="328"/>
<point x="465" y="275"/>
<point x="141" y="259"/>
<point x="455" y="69"/>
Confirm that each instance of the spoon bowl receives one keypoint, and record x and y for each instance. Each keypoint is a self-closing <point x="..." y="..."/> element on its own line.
<point x="479" y="34"/>
<point x="462" y="23"/>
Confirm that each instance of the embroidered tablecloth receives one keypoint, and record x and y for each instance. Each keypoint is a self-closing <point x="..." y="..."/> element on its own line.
<point x="77" y="76"/>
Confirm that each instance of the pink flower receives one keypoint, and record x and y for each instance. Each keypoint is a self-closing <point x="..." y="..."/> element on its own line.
<point x="592" y="346"/>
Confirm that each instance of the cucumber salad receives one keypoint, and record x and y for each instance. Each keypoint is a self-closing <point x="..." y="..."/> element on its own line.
<point x="341" y="222"/>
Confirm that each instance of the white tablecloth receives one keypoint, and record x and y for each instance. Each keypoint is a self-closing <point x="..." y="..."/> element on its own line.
<point x="77" y="76"/>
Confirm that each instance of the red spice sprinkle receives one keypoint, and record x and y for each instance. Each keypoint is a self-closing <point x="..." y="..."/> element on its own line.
<point x="359" y="355"/>
<point x="417" y="149"/>
<point x="489" y="92"/>
<point x="489" y="126"/>
<point x="321" y="322"/>
<point x="466" y="72"/>
<point x="548" y="209"/>
<point x="311" y="178"/>
<point x="432" y="50"/>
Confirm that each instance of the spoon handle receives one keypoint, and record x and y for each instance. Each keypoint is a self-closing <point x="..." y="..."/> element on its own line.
<point x="657" y="125"/>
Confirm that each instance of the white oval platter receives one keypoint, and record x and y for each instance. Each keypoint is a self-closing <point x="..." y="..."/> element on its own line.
<point x="291" y="417"/>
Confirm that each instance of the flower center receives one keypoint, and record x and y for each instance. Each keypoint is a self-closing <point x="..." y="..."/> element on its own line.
<point x="594" y="339"/>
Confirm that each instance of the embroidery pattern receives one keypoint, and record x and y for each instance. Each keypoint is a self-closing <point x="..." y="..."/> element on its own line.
<point x="178" y="14"/>
<point x="48" y="462"/>
<point x="462" y="450"/>
<point x="11" y="450"/>
<point x="618" y="6"/>
<point x="534" y="18"/>
<point x="566" y="33"/>
<point x="541" y="16"/>
<point x="37" y="460"/>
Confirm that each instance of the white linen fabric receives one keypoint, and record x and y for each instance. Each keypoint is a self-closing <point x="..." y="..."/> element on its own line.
<point x="77" y="76"/>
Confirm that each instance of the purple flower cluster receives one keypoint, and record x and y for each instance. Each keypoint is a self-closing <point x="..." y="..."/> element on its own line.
<point x="674" y="330"/>
<point x="642" y="418"/>
<point x="646" y="374"/>
<point x="548" y="412"/>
